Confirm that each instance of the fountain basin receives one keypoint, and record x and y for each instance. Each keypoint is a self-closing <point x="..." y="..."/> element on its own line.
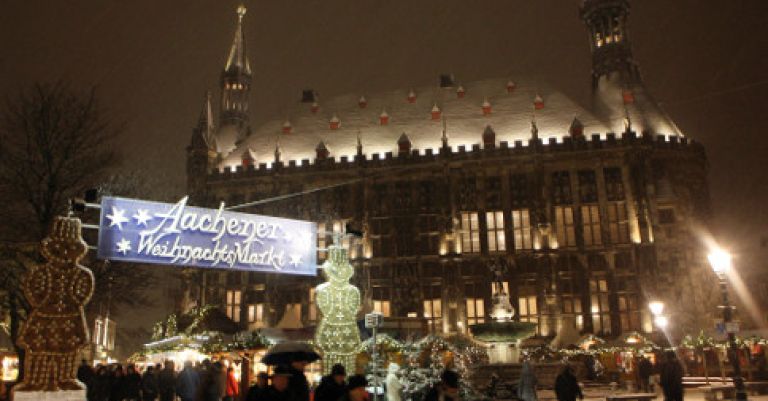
<point x="502" y="332"/>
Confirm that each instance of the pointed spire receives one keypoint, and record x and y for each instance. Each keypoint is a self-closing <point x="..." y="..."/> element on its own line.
<point x="534" y="131"/>
<point x="489" y="137"/>
<point x="205" y="131"/>
<point x="359" y="144"/>
<point x="277" y="151"/>
<point x="444" y="137"/>
<point x="248" y="158"/>
<point x="238" y="58"/>
<point x="321" y="151"/>
<point x="576" y="129"/>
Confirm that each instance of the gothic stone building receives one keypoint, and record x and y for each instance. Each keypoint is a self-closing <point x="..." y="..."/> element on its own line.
<point x="590" y="212"/>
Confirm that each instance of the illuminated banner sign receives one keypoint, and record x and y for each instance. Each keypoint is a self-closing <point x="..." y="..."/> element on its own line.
<point x="177" y="234"/>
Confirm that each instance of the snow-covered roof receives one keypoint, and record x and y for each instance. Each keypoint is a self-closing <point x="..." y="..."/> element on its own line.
<point x="511" y="113"/>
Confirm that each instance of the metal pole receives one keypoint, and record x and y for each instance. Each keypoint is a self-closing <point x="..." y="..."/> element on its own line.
<point x="738" y="381"/>
<point x="375" y="370"/>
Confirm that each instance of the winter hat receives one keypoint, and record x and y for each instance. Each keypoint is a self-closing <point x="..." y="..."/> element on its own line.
<point x="338" y="369"/>
<point x="357" y="381"/>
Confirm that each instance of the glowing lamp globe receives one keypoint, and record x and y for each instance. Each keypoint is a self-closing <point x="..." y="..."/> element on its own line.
<point x="661" y="322"/>
<point x="720" y="261"/>
<point x="656" y="307"/>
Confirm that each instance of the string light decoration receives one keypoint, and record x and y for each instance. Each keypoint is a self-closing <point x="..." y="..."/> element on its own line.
<point x="55" y="330"/>
<point x="338" y="300"/>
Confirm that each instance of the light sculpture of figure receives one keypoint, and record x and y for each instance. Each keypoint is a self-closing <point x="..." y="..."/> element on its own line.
<point x="338" y="301"/>
<point x="55" y="331"/>
<point x="394" y="386"/>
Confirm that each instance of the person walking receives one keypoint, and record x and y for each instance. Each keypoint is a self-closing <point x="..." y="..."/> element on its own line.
<point x="644" y="372"/>
<point x="259" y="388"/>
<point x="233" y="387"/>
<point x="85" y="375"/>
<point x="188" y="383"/>
<point x="566" y="386"/>
<point x="132" y="384"/>
<point x="117" y="384"/>
<point x="278" y="390"/>
<point x="333" y="386"/>
<point x="100" y="384"/>
<point x="166" y="381"/>
<point x="526" y="388"/>
<point x="216" y="382"/>
<point x="298" y="386"/>
<point x="149" y="384"/>
<point x="671" y="377"/>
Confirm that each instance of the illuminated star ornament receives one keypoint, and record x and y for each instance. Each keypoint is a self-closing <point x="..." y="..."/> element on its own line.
<point x="117" y="218"/>
<point x="142" y="217"/>
<point x="124" y="246"/>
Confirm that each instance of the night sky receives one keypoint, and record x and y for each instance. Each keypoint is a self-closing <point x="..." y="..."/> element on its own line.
<point x="705" y="61"/>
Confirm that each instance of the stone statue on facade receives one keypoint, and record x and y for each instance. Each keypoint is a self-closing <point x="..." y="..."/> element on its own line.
<point x="338" y="301"/>
<point x="55" y="331"/>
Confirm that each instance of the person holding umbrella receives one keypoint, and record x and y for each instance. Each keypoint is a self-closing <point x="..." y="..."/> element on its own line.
<point x="356" y="389"/>
<point x="278" y="390"/>
<point x="293" y="357"/>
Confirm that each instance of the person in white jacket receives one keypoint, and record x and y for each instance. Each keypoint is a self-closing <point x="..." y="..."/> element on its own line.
<point x="394" y="386"/>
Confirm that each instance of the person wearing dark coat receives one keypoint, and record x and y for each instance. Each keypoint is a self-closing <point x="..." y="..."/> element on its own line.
<point x="258" y="388"/>
<point x="149" y="385"/>
<point x="132" y="384"/>
<point x="85" y="374"/>
<point x="99" y="390"/>
<point x="447" y="389"/>
<point x="298" y="386"/>
<point x="356" y="389"/>
<point x="333" y="386"/>
<point x="671" y="378"/>
<point x="117" y="384"/>
<point x="188" y="383"/>
<point x="566" y="386"/>
<point x="279" y="389"/>
<point x="644" y="372"/>
<point x="166" y="382"/>
<point x="215" y="386"/>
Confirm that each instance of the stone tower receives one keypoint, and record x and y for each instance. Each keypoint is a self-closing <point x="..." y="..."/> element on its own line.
<point x="201" y="153"/>
<point x="235" y="89"/>
<point x="606" y="22"/>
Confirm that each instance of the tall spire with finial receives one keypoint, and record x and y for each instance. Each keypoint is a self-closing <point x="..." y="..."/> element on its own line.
<point x="235" y="88"/>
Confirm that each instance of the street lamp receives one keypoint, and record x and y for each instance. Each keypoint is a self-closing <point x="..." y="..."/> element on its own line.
<point x="720" y="261"/>
<point x="659" y="320"/>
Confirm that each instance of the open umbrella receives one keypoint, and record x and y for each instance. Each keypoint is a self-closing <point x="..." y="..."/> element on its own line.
<point x="287" y="352"/>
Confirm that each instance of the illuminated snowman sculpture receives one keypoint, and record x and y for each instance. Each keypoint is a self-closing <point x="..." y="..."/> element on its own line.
<point x="338" y="300"/>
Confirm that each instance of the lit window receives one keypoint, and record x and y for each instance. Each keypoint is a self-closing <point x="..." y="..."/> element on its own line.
<point x="496" y="240"/>
<point x="529" y="311"/>
<point x="600" y="306"/>
<point x="590" y="224"/>
<point x="475" y="311"/>
<point x="521" y="229"/>
<point x="233" y="305"/>
<point x="618" y="224"/>
<point x="470" y="233"/>
<point x="564" y="227"/>
<point x="433" y="312"/>
<point x="322" y="242"/>
<point x="255" y="313"/>
<point x="382" y="307"/>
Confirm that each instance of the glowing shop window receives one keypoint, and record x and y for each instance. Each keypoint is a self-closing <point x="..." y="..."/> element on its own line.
<point x="528" y="309"/>
<point x="600" y="306"/>
<point x="495" y="223"/>
<point x="382" y="307"/>
<point x="564" y="227"/>
<point x="233" y="305"/>
<point x="590" y="219"/>
<point x="475" y="310"/>
<point x="470" y="233"/>
<point x="521" y="229"/>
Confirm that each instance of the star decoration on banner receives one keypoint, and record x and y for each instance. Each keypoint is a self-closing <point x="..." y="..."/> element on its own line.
<point x="117" y="218"/>
<point x="142" y="217"/>
<point x="124" y="246"/>
<point x="295" y="260"/>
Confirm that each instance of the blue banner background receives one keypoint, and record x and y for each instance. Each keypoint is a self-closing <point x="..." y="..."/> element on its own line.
<point x="177" y="234"/>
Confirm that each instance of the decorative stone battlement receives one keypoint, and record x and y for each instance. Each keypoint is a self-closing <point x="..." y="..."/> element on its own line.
<point x="504" y="148"/>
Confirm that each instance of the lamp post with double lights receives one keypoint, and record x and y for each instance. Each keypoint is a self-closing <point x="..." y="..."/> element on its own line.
<point x="720" y="261"/>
